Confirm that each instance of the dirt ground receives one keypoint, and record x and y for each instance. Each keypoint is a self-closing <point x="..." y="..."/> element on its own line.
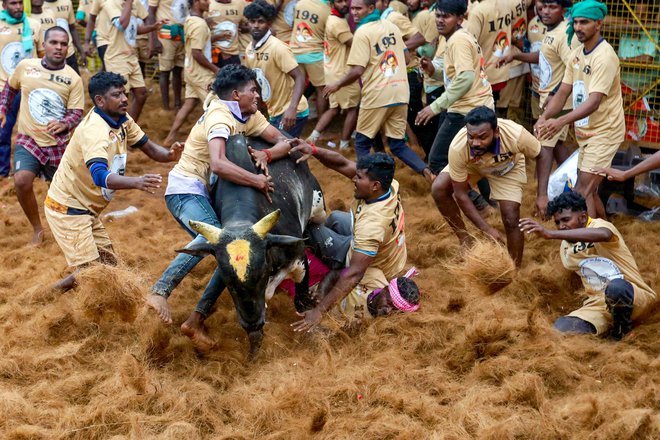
<point x="94" y="364"/>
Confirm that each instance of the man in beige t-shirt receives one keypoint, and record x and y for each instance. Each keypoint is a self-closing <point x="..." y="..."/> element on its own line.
<point x="281" y="80"/>
<point x="168" y="44"/>
<point x="490" y="22"/>
<point x="283" y="22"/>
<point x="466" y="83"/>
<point x="65" y="17"/>
<point x="52" y="98"/>
<point x="412" y="39"/>
<point x="377" y="57"/>
<point x="494" y="149"/>
<point x="551" y="60"/>
<point x="127" y="18"/>
<point x="92" y="169"/>
<point x="592" y="78"/>
<point x="199" y="71"/>
<point x="616" y="294"/>
<point x="338" y="40"/>
<point x="15" y="50"/>
<point x="306" y="42"/>
<point x="228" y="21"/>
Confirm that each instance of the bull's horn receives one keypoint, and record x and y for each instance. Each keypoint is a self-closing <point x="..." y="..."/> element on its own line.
<point x="263" y="226"/>
<point x="210" y="232"/>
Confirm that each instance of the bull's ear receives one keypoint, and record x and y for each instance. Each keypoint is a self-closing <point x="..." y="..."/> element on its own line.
<point x="198" y="249"/>
<point x="282" y="240"/>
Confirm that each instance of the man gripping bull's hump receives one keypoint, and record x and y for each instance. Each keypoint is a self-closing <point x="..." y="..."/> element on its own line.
<point x="231" y="110"/>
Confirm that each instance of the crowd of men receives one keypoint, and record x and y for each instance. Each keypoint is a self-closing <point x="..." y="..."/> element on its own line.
<point x="450" y="77"/>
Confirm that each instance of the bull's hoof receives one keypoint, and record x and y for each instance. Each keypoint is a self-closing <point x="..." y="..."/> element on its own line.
<point x="256" y="338"/>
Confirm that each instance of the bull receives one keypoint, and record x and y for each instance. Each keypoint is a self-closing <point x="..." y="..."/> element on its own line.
<point x="260" y="241"/>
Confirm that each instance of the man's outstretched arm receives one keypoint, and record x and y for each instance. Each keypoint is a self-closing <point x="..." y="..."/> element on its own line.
<point x="587" y="235"/>
<point x="349" y="278"/>
<point x="330" y="159"/>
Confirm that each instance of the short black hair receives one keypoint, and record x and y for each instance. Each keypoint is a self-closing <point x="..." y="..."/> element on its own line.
<point x="230" y="78"/>
<point x="260" y="8"/>
<point x="571" y="200"/>
<point x="408" y="290"/>
<point x="562" y="3"/>
<point x="55" y="29"/>
<point x="480" y="115"/>
<point x="101" y="82"/>
<point x="453" y="7"/>
<point x="379" y="166"/>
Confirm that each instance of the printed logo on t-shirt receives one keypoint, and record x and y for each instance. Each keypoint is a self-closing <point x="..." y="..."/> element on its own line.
<point x="45" y="105"/>
<point x="130" y="33"/>
<point x="179" y="10"/>
<point x="32" y="72"/>
<point x="597" y="272"/>
<point x="303" y="32"/>
<point x="579" y="96"/>
<point x="118" y="166"/>
<point x="389" y="65"/>
<point x="266" y="91"/>
<point x="519" y="29"/>
<point x="12" y="54"/>
<point x="501" y="45"/>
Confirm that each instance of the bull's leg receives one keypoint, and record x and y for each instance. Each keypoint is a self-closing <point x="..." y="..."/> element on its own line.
<point x="303" y="299"/>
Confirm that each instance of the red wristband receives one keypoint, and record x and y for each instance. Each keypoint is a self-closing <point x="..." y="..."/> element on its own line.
<point x="269" y="156"/>
<point x="313" y="148"/>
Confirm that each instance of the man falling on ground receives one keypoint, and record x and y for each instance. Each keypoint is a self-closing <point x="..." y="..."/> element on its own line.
<point x="495" y="149"/>
<point x="592" y="76"/>
<point x="92" y="169"/>
<point x="52" y="103"/>
<point x="377" y="251"/>
<point x="594" y="249"/>
<point x="377" y="58"/>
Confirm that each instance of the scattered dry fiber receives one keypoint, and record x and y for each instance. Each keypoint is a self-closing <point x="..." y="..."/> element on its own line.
<point x="106" y="291"/>
<point x="486" y="266"/>
<point x="466" y="366"/>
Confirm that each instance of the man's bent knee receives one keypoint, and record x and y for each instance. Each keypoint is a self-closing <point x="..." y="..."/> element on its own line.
<point x="620" y="292"/>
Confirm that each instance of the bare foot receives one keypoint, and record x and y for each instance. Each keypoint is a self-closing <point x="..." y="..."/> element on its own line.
<point x="196" y="331"/>
<point x="160" y="305"/>
<point x="37" y="238"/>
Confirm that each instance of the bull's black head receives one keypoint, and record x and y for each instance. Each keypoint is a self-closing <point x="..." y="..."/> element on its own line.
<point x="241" y="251"/>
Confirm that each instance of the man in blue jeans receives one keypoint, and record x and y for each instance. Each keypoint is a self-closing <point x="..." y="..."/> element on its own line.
<point x="5" y="136"/>
<point x="232" y="111"/>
